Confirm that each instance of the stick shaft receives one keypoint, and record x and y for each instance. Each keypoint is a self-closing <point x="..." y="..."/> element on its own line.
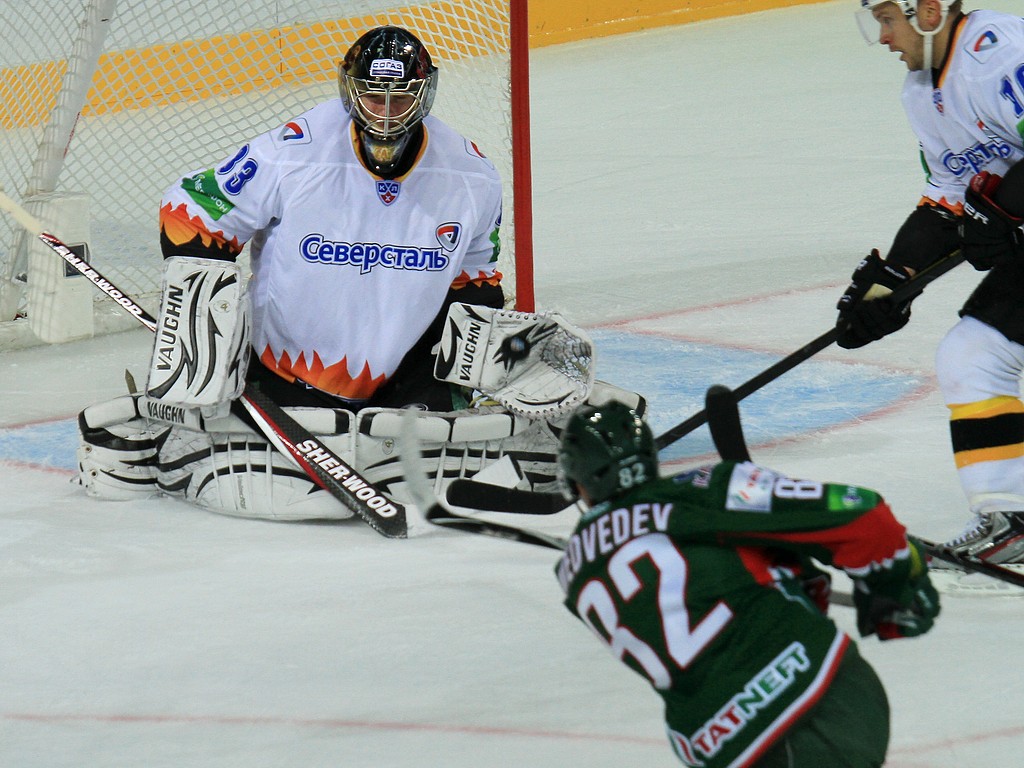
<point x="909" y="290"/>
<point x="323" y="466"/>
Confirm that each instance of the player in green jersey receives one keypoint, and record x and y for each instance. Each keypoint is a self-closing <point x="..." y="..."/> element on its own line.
<point x="697" y="582"/>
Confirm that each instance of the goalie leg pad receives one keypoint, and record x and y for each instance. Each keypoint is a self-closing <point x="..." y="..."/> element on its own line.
<point x="119" y="462"/>
<point x="201" y="348"/>
<point x="459" y="444"/>
<point x="242" y="475"/>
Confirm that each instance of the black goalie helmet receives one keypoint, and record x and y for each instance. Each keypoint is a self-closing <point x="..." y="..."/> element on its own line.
<point x="387" y="82"/>
<point x="606" y="450"/>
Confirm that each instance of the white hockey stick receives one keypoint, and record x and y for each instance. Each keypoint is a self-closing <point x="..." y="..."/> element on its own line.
<point x="437" y="512"/>
<point x="320" y="463"/>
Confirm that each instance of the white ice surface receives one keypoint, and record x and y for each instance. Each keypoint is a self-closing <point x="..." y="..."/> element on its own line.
<point x="703" y="188"/>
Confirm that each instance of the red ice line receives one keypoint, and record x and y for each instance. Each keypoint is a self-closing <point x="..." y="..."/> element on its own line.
<point x="472" y="730"/>
<point x="372" y="725"/>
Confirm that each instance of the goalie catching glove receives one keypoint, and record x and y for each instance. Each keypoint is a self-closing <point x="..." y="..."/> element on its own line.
<point x="893" y="607"/>
<point x="201" y="350"/>
<point x="536" y="365"/>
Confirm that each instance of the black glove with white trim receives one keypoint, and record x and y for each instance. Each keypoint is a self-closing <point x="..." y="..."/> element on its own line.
<point x="866" y="311"/>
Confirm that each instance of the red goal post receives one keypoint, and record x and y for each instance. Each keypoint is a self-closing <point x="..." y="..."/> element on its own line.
<point x="104" y="102"/>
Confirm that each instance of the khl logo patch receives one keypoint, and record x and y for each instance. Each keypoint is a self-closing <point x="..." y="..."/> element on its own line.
<point x="388" y="190"/>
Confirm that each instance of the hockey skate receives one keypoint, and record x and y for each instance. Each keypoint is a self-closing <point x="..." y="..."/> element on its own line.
<point x="997" y="537"/>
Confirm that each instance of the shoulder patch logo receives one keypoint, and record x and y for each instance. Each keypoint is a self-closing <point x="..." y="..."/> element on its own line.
<point x="388" y="190"/>
<point x="750" y="489"/>
<point x="295" y="132"/>
<point x="448" y="235"/>
<point x="987" y="40"/>
<point x="474" y="151"/>
<point x="983" y="45"/>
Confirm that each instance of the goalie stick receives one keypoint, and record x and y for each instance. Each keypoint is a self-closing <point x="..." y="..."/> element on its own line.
<point x="722" y="408"/>
<point x="320" y="463"/>
<point x="473" y="494"/>
<point x="908" y="290"/>
<point x="437" y="512"/>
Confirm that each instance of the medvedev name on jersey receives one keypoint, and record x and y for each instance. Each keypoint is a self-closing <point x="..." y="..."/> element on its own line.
<point x="607" y="533"/>
<point x="314" y="248"/>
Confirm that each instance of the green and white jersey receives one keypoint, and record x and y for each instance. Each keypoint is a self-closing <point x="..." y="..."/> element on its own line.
<point x="688" y="580"/>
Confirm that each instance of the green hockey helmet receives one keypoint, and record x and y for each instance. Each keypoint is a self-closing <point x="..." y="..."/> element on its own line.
<point x="605" y="450"/>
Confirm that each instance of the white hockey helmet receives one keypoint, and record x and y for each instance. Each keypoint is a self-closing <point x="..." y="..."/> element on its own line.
<point x="869" y="27"/>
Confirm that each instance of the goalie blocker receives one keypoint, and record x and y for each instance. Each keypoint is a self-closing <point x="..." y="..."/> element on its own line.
<point x="200" y="352"/>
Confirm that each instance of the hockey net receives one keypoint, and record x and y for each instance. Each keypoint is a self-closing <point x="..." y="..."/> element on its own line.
<point x="104" y="103"/>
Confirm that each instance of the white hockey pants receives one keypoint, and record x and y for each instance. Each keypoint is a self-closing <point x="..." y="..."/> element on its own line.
<point x="979" y="372"/>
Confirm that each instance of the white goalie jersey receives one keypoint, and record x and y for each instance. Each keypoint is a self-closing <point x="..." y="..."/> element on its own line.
<point x="348" y="269"/>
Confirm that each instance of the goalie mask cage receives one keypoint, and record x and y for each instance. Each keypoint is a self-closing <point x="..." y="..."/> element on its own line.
<point x="105" y="103"/>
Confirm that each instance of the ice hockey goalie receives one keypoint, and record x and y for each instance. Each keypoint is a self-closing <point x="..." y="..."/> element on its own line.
<point x="522" y="374"/>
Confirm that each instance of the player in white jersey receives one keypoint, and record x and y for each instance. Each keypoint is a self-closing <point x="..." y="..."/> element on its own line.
<point x="365" y="217"/>
<point x="964" y="97"/>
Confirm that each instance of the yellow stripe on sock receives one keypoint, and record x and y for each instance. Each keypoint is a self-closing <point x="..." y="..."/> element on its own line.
<point x="979" y="455"/>
<point x="984" y="409"/>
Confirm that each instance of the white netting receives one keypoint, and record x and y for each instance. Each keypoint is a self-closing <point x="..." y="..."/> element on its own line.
<point x="180" y="84"/>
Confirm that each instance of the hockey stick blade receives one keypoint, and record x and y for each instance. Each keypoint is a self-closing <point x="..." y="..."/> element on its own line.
<point x="322" y="465"/>
<point x="435" y="511"/>
<point x="723" y="412"/>
<point x="908" y="290"/>
<point x="472" y="494"/>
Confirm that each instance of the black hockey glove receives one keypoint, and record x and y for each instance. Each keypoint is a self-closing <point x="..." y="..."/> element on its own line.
<point x="904" y="609"/>
<point x="988" y="234"/>
<point x="866" y="313"/>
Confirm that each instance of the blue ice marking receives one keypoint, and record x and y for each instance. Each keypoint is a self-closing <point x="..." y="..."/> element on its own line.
<point x="51" y="444"/>
<point x="674" y="376"/>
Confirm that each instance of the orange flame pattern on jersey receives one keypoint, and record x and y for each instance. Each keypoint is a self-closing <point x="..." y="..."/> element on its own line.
<point x="181" y="228"/>
<point x="482" y="278"/>
<point x="334" y="379"/>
